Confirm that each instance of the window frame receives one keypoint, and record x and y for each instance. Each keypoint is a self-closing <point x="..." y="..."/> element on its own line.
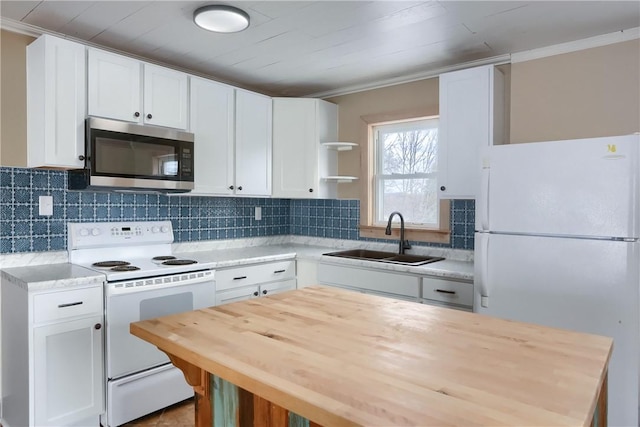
<point x="380" y="178"/>
<point x="368" y="227"/>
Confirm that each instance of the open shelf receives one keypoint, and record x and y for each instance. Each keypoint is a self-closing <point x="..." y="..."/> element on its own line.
<point x="340" y="179"/>
<point x="340" y="146"/>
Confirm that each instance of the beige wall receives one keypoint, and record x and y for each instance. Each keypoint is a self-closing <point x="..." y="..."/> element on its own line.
<point x="420" y="96"/>
<point x="589" y="93"/>
<point x="13" y="98"/>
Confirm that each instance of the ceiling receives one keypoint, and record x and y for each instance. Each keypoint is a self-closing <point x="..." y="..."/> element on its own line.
<point x="313" y="48"/>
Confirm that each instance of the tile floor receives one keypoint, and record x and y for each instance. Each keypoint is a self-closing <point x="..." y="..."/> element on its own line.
<point x="179" y="415"/>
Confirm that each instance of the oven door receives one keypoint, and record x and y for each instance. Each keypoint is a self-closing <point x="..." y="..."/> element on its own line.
<point x="141" y="299"/>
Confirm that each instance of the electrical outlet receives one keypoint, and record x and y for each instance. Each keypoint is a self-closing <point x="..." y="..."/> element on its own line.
<point x="258" y="213"/>
<point x="45" y="205"/>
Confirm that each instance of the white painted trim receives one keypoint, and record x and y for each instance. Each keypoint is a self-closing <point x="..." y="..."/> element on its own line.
<point x="495" y="60"/>
<point x="588" y="43"/>
<point x="21" y="28"/>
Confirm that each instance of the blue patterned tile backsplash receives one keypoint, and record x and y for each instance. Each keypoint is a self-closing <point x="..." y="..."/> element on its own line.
<point x="194" y="218"/>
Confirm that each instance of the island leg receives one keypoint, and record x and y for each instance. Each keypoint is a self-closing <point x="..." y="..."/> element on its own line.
<point x="600" y="416"/>
<point x="199" y="380"/>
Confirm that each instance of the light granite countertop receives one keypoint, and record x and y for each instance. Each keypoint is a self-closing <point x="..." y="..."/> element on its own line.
<point x="36" y="273"/>
<point x="35" y="278"/>
<point x="221" y="258"/>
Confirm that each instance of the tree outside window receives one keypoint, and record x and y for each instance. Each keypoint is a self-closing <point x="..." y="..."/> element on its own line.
<point x="405" y="171"/>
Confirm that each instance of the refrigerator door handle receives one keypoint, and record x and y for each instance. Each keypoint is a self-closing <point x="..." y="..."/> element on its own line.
<point x="483" y="208"/>
<point x="483" y="277"/>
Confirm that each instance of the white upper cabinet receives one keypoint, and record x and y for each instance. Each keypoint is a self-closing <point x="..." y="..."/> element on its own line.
<point x="126" y="89"/>
<point x="165" y="97"/>
<point x="114" y="86"/>
<point x="232" y="129"/>
<point x="212" y="123"/>
<point x="301" y="162"/>
<point x="254" y="115"/>
<point x="56" y="105"/>
<point x="471" y="118"/>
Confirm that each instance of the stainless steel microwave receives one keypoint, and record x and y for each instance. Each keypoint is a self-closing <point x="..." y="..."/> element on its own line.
<point x="121" y="155"/>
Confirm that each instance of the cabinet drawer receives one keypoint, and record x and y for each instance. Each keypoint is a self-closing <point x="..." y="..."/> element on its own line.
<point x="64" y="304"/>
<point x="449" y="291"/>
<point x="253" y="274"/>
<point x="369" y="280"/>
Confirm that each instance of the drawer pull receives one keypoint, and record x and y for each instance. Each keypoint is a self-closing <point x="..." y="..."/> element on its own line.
<point x="240" y="278"/>
<point x="70" y="304"/>
<point x="443" y="291"/>
<point x="279" y="271"/>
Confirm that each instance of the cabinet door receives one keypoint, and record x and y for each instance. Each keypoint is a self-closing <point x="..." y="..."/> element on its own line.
<point x="253" y="144"/>
<point x="56" y="103"/>
<point x="277" y="287"/>
<point x="68" y="371"/>
<point x="165" y="97"/>
<point x="211" y="121"/>
<point x="465" y="99"/>
<point x="114" y="86"/>
<point x="237" y="294"/>
<point x="295" y="148"/>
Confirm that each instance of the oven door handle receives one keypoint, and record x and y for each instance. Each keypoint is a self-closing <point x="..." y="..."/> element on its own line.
<point x="142" y="285"/>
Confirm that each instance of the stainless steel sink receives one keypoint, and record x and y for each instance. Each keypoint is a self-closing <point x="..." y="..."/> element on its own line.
<point x="389" y="257"/>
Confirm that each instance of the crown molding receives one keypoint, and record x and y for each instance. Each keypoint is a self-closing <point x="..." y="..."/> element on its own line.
<point x="574" y="46"/>
<point x="494" y="60"/>
<point x="21" y="28"/>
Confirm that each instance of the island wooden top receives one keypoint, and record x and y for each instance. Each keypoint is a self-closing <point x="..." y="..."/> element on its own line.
<point x="342" y="358"/>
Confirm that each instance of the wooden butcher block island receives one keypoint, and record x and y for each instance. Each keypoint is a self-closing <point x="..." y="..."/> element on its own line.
<point x="330" y="357"/>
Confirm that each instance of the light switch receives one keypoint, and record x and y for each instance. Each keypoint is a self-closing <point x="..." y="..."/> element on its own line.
<point x="258" y="213"/>
<point x="45" y="207"/>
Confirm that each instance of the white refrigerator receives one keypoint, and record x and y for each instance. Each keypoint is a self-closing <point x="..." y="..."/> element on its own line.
<point x="557" y="244"/>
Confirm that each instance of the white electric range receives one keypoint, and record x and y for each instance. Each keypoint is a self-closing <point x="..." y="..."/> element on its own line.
<point x="143" y="280"/>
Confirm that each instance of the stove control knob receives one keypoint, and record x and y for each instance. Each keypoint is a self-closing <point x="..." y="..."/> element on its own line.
<point x="84" y="232"/>
<point x="155" y="229"/>
<point x="164" y="229"/>
<point x="95" y="231"/>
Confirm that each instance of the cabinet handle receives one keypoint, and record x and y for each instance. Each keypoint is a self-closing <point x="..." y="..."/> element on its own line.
<point x="149" y="116"/>
<point x="279" y="271"/>
<point x="444" y="291"/>
<point x="443" y="188"/>
<point x="264" y="292"/>
<point x="136" y="114"/>
<point x="97" y="326"/>
<point x="69" y="304"/>
<point x="311" y="190"/>
<point x="81" y="157"/>
<point x="231" y="187"/>
<point x="239" y="277"/>
<point x="255" y="294"/>
<point x="240" y="188"/>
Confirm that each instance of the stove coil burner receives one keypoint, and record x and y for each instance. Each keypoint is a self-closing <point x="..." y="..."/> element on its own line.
<point x="125" y="268"/>
<point x="163" y="258"/>
<point x="108" y="264"/>
<point x="179" y="262"/>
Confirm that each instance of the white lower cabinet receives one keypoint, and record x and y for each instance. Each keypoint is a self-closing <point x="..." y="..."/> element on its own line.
<point x="374" y="281"/>
<point x="52" y="356"/>
<point x="443" y="292"/>
<point x="252" y="281"/>
<point x="68" y="371"/>
<point x="306" y="273"/>
<point x="447" y="293"/>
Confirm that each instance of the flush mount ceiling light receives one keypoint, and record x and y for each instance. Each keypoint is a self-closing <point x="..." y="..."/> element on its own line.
<point x="221" y="18"/>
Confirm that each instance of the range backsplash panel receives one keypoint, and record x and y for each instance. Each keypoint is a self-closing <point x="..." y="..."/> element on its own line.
<point x="194" y="218"/>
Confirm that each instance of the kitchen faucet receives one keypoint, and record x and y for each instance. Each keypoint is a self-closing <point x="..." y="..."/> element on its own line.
<point x="404" y="244"/>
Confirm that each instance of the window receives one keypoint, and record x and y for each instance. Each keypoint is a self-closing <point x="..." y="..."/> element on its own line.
<point x="404" y="173"/>
<point x="401" y="165"/>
